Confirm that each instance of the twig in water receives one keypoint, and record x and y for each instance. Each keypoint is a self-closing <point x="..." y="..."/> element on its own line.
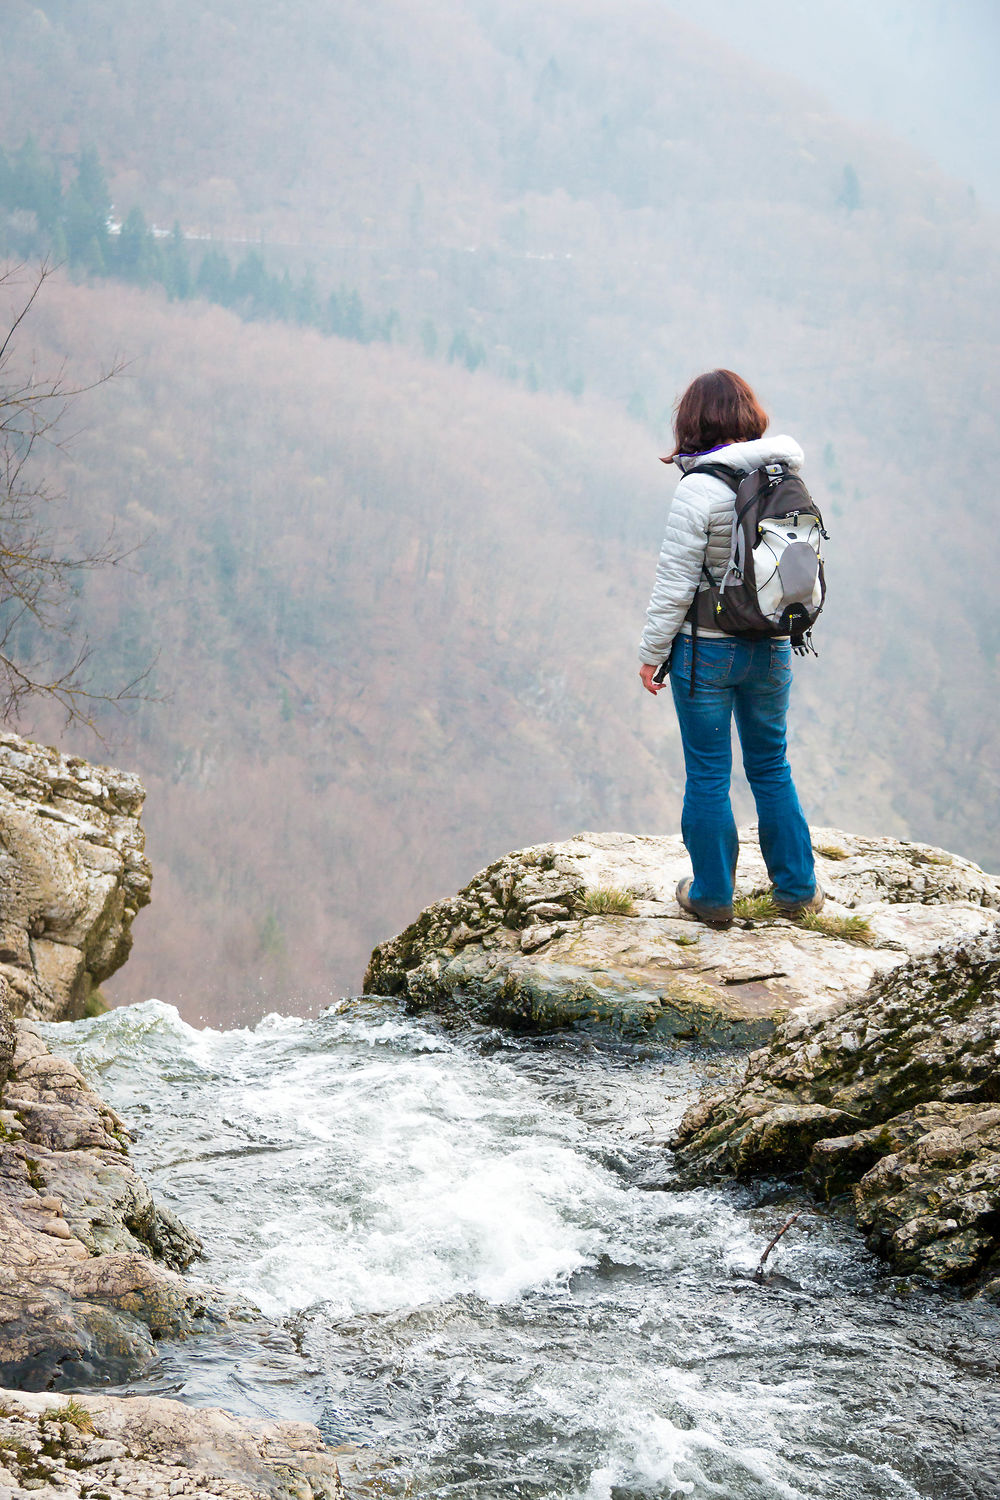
<point x="758" y="1275"/>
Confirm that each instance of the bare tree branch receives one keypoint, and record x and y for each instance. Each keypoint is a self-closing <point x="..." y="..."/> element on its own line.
<point x="37" y="567"/>
<point x="759" y="1273"/>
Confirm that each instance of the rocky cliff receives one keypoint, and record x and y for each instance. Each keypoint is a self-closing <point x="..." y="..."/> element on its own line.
<point x="90" y="1265"/>
<point x="892" y="1105"/>
<point x="73" y="874"/>
<point x="88" y="1269"/>
<point x="586" y="935"/>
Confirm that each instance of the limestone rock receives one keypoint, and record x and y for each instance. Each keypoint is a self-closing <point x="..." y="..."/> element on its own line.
<point x="895" y="1101"/>
<point x="73" y="874"/>
<point x="518" y="947"/>
<point x="87" y="1260"/>
<point x="120" y="1447"/>
<point x="7" y="1033"/>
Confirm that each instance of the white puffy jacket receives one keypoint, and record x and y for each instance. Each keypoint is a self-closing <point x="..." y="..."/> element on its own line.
<point x="699" y="530"/>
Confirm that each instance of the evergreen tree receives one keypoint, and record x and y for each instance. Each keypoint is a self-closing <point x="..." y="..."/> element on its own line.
<point x="343" y="317"/>
<point x="306" y="301"/>
<point x="87" y="211"/>
<point x="281" y="298"/>
<point x="428" y="338"/>
<point x="215" y="278"/>
<point x="58" y="249"/>
<point x="353" y="317"/>
<point x="253" y="292"/>
<point x="90" y="256"/>
<point x="469" y="351"/>
<point x="390" y="326"/>
<point x="176" y="266"/>
<point x="34" y="185"/>
<point x="137" y="253"/>
<point x="6" y="181"/>
<point x="332" y="319"/>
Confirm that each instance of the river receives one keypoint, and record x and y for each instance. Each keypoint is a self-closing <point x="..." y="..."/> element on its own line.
<point x="463" y="1260"/>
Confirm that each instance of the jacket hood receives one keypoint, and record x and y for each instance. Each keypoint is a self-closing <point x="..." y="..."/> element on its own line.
<point x="745" y="456"/>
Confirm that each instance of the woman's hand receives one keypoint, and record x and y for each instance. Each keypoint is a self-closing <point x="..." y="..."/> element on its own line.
<point x="646" y="673"/>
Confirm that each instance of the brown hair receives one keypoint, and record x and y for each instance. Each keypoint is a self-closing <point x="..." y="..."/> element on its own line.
<point x="716" y="408"/>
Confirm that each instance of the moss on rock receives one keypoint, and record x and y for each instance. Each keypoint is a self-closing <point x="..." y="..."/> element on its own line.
<point x="913" y="1066"/>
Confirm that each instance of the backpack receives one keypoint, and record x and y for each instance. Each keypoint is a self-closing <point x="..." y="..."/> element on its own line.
<point x="774" y="583"/>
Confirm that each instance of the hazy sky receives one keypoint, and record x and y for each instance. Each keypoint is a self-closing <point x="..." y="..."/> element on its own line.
<point x="924" y="69"/>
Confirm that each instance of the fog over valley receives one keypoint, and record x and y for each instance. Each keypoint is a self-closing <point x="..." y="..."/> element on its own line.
<point x="406" y="295"/>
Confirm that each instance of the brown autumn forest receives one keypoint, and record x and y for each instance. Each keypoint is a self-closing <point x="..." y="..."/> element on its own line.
<point x="393" y="602"/>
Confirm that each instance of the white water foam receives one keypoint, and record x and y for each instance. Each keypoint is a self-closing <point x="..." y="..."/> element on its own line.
<point x="475" y="1280"/>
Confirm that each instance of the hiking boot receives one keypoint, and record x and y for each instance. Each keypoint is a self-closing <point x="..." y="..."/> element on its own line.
<point x="715" y="916"/>
<point x="798" y="908"/>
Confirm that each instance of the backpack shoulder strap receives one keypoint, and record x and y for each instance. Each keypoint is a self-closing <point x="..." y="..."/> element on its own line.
<point x="730" y="477"/>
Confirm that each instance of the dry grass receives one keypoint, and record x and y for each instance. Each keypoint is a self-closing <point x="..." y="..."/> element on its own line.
<point x="850" y="929"/>
<point x="756" y="907"/>
<point x="831" y="851"/>
<point x="74" y="1412"/>
<point x="608" y="901"/>
<point x="759" y="907"/>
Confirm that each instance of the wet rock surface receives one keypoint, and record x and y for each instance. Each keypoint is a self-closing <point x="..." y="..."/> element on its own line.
<point x="521" y="947"/>
<point x="104" y="1446"/>
<point x="893" y="1105"/>
<point x="88" y="1266"/>
<point x="73" y="874"/>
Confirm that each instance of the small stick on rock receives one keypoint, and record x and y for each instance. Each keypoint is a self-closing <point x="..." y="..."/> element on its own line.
<point x="758" y="1275"/>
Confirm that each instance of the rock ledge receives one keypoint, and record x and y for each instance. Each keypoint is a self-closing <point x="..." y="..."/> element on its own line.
<point x="94" y="1445"/>
<point x="517" y="948"/>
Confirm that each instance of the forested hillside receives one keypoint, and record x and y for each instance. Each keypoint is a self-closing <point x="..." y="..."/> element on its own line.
<point x="395" y="610"/>
<point x="394" y="590"/>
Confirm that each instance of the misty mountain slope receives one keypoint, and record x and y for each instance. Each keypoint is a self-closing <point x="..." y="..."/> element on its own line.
<point x="396" y="603"/>
<point x="396" y="608"/>
<point x="599" y="195"/>
<point x="881" y="61"/>
<point x="593" y="99"/>
<point x="395" y="613"/>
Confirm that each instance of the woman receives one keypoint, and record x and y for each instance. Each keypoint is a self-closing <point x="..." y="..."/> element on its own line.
<point x="720" y="421"/>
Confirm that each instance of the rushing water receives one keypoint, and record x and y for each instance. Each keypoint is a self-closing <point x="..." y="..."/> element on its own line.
<point x="461" y="1262"/>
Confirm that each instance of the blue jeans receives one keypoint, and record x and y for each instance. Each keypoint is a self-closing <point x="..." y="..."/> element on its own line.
<point x="750" y="679"/>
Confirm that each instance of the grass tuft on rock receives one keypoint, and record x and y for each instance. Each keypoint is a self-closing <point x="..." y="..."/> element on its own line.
<point x="756" y="907"/>
<point x="74" y="1412"/>
<point x="850" y="929"/>
<point x="831" y="851"/>
<point x="608" y="901"/>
